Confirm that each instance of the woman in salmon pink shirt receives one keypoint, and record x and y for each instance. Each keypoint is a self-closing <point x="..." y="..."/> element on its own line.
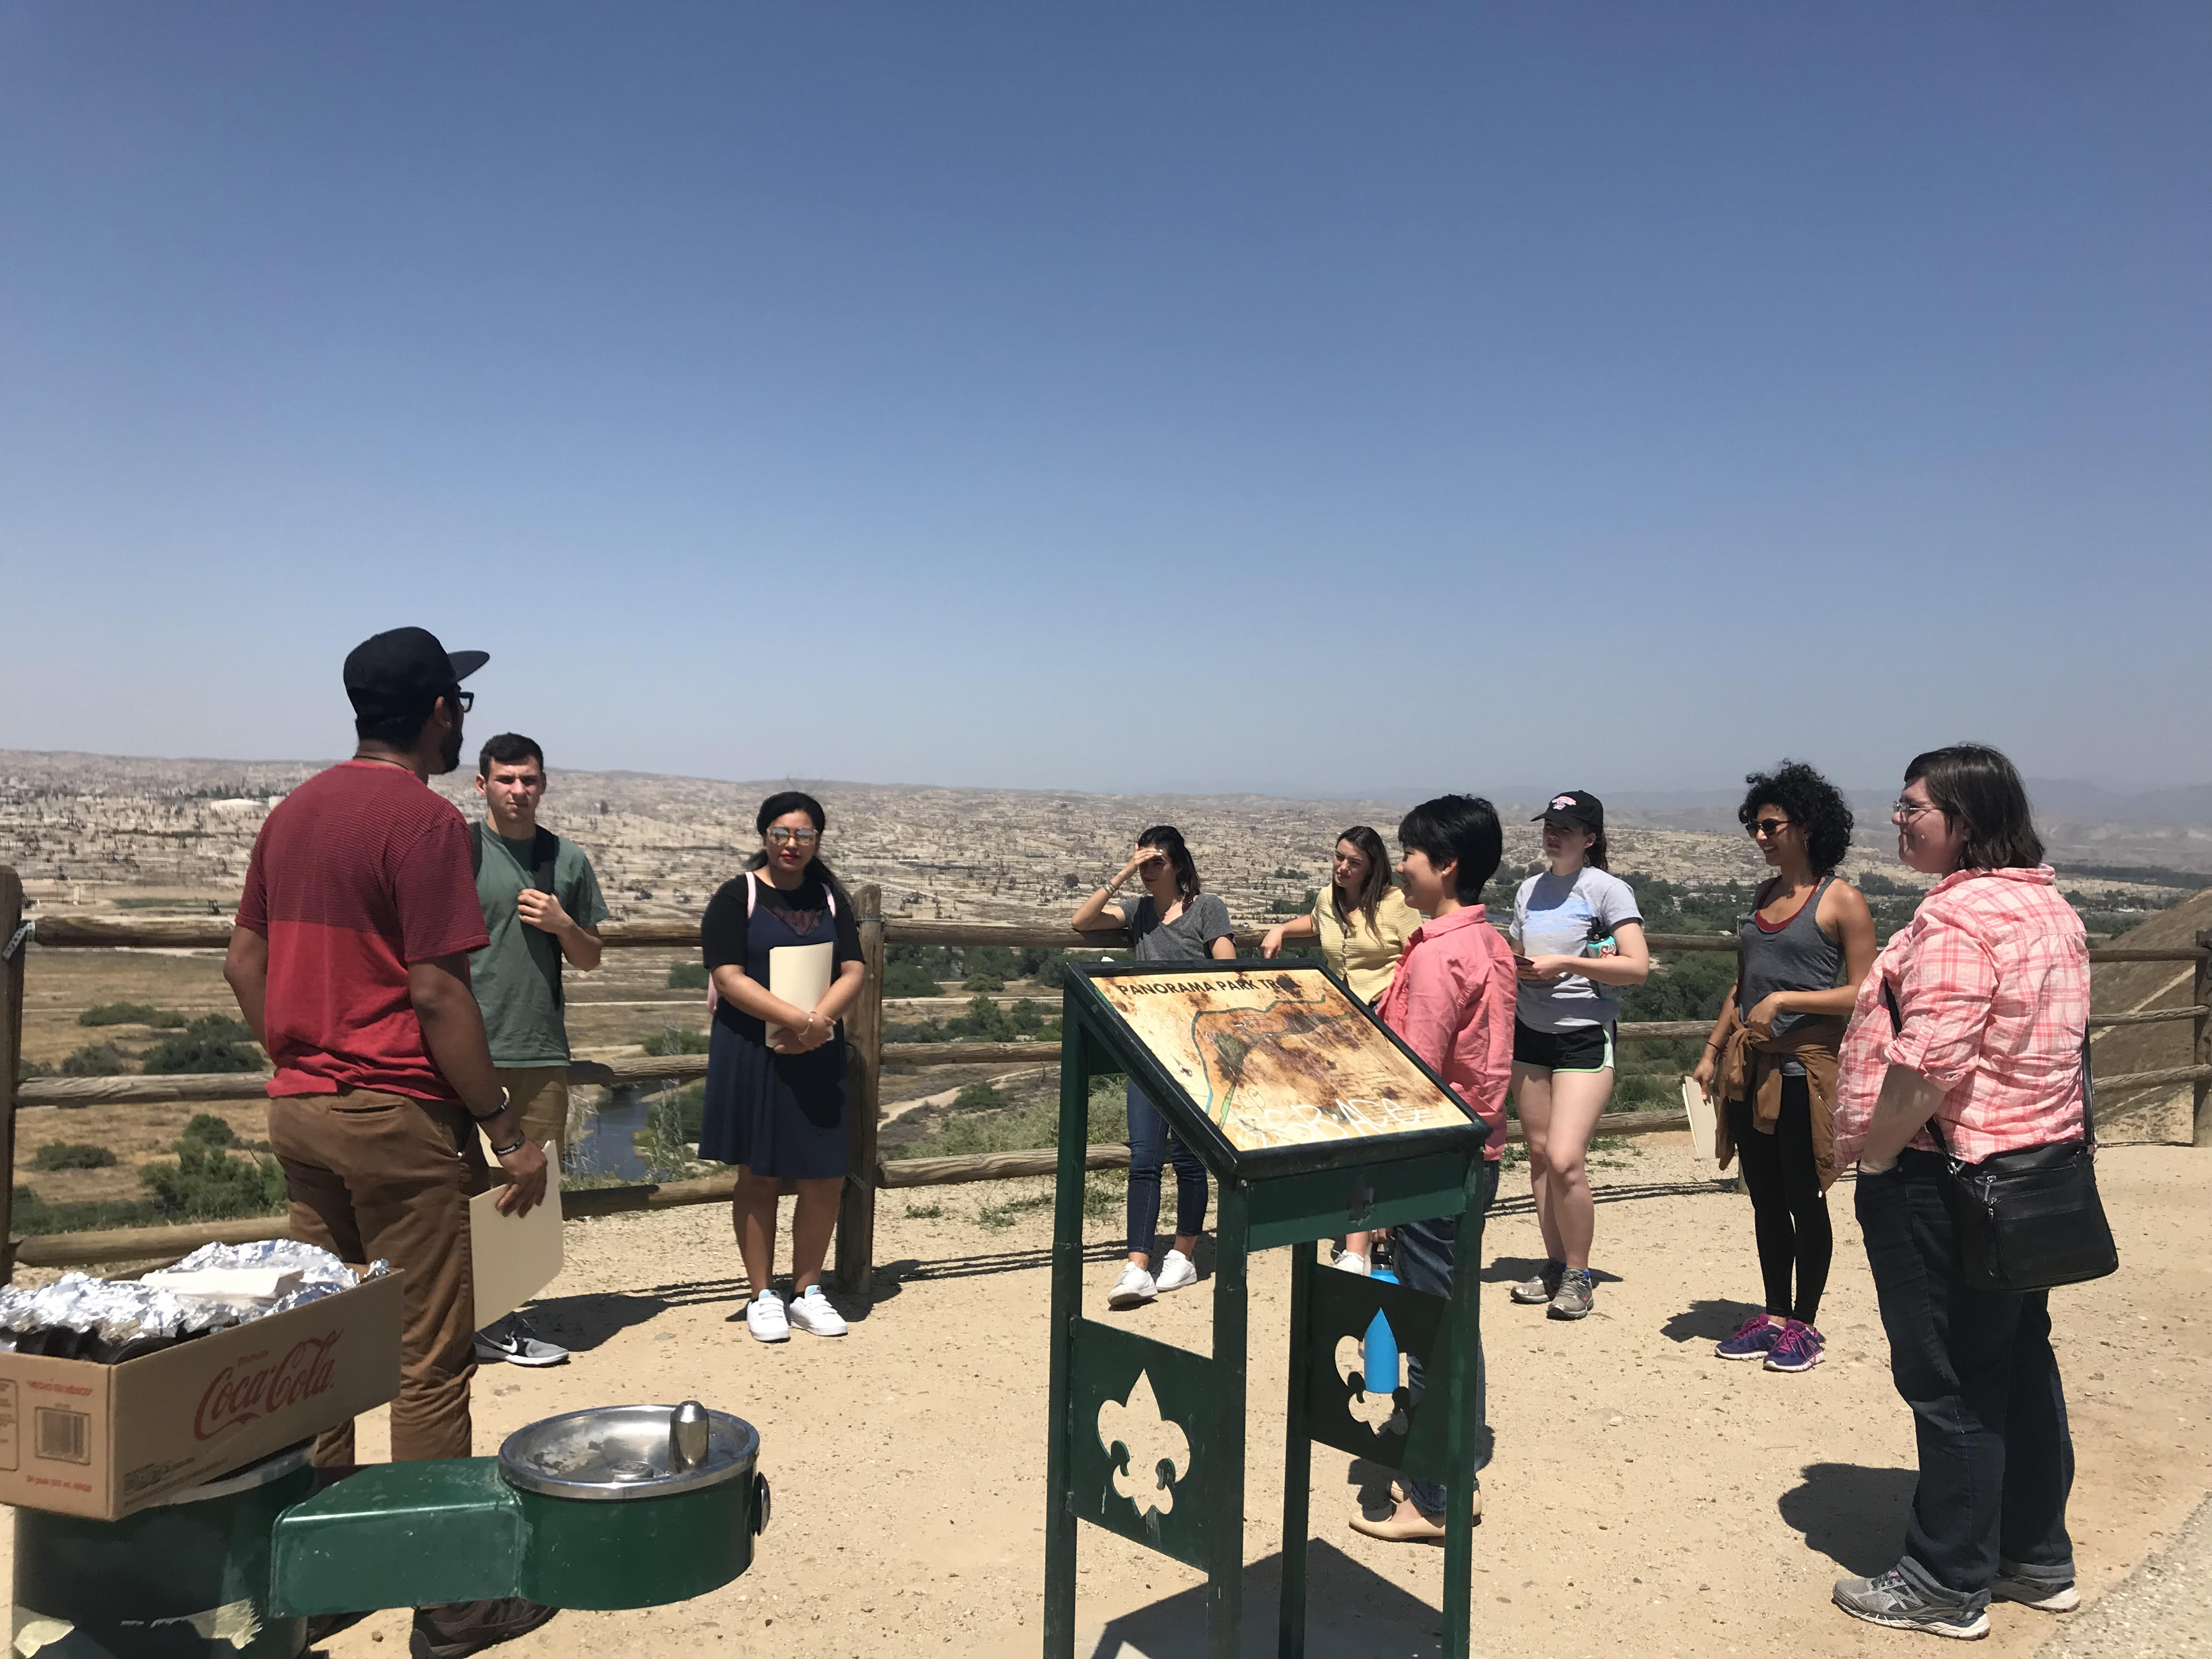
<point x="1991" y="980"/>
<point x="1451" y="1003"/>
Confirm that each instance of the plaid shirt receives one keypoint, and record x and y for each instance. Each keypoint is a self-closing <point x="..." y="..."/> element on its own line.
<point x="1992" y="981"/>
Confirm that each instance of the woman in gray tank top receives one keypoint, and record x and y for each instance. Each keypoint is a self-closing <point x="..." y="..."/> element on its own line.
<point x="1771" y="1063"/>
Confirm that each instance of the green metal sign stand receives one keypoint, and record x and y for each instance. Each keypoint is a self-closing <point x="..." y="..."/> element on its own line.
<point x="1147" y="1438"/>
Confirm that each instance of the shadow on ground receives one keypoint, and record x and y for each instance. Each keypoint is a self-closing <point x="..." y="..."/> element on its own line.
<point x="1707" y="1322"/>
<point x="1352" y="1613"/>
<point x="1852" y="1515"/>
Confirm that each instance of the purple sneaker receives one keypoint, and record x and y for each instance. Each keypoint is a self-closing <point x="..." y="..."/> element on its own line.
<point x="1752" y="1340"/>
<point x="1797" y="1349"/>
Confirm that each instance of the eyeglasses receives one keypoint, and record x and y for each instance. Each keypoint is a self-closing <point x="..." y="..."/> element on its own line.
<point x="1910" y="810"/>
<point x="460" y="700"/>
<point x="780" y="835"/>
<point x="1767" y="826"/>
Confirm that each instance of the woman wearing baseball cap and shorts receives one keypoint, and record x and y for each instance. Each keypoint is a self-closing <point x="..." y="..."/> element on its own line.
<point x="1578" y="935"/>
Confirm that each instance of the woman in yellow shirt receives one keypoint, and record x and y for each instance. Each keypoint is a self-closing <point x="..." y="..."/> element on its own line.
<point x="1363" y="922"/>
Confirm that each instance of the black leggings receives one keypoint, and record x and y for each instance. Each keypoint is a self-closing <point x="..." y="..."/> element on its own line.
<point x="1790" y="1210"/>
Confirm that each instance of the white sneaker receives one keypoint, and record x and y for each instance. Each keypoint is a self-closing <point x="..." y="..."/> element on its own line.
<point x="812" y="1314"/>
<point x="1350" y="1263"/>
<point x="1177" y="1272"/>
<point x="1133" y="1289"/>
<point x="766" y="1320"/>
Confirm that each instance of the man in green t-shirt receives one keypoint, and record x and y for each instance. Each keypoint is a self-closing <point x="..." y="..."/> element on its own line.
<point x="542" y="908"/>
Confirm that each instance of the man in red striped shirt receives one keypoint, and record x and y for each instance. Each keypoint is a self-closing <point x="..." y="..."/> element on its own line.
<point x="351" y="962"/>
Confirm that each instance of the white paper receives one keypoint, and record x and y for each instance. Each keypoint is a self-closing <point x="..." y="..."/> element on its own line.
<point x="800" y="974"/>
<point x="1702" y="1125"/>
<point x="515" y="1256"/>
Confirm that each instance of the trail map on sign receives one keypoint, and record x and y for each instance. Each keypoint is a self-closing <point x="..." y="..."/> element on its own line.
<point x="1279" y="1057"/>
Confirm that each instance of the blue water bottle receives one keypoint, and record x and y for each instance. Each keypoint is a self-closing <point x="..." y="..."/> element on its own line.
<point x="1380" y="1349"/>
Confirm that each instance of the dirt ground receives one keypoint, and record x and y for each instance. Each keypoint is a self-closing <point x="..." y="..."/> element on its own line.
<point x="1646" y="1496"/>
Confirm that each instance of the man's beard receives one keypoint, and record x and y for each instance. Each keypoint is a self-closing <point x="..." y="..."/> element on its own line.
<point x="449" y="752"/>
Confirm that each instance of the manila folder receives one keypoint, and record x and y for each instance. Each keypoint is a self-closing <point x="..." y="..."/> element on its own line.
<point x="515" y="1256"/>
<point x="800" y="974"/>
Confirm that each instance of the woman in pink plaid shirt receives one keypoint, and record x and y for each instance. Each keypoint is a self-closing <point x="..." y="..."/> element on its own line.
<point x="1992" y="982"/>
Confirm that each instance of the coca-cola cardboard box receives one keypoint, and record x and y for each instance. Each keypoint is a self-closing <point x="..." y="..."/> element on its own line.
<point x="104" y="1440"/>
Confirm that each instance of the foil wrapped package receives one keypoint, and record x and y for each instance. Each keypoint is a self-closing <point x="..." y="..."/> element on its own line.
<point x="110" y="1321"/>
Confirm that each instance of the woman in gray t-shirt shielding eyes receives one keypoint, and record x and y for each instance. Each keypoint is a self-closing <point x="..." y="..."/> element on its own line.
<point x="1172" y="921"/>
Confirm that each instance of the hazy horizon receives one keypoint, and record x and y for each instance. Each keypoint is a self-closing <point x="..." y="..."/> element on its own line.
<point x="2071" y="789"/>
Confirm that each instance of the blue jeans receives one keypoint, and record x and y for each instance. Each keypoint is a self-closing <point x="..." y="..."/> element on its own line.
<point x="1996" y="1460"/>
<point x="1424" y="1253"/>
<point x="1150" y="1145"/>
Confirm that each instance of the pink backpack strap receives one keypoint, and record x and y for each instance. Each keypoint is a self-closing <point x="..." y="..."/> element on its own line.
<point x="714" y="996"/>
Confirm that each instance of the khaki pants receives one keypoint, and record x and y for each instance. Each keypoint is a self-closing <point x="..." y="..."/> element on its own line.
<point x="539" y="1095"/>
<point x="372" y="1175"/>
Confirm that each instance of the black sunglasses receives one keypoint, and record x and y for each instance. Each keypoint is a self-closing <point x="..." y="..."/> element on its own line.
<point x="1768" y="827"/>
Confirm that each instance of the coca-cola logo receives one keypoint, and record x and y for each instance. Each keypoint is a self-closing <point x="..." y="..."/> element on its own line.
<point x="234" y="1396"/>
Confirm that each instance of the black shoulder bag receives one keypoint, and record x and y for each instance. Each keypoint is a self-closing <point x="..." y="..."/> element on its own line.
<point x="545" y="853"/>
<point x="2029" y="1221"/>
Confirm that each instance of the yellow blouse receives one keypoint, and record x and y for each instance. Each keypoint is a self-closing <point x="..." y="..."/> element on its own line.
<point x="1366" y="953"/>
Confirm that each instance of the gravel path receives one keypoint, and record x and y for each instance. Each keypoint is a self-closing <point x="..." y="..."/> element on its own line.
<point x="2159" y="1613"/>
<point x="1648" y="1500"/>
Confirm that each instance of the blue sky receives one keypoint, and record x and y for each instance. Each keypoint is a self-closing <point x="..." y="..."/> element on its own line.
<point x="1309" y="398"/>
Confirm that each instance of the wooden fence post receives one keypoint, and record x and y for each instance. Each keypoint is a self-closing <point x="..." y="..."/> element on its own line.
<point x="864" y="1031"/>
<point x="2200" y="1050"/>
<point x="16" y="945"/>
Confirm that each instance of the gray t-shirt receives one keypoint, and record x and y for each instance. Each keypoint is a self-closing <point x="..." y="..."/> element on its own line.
<point x="1555" y="917"/>
<point x="1204" y="920"/>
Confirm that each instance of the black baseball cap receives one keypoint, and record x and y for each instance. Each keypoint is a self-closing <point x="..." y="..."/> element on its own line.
<point x="403" y="671"/>
<point x="1578" y="808"/>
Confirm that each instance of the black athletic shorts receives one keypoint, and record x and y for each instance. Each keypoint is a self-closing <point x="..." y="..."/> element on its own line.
<point x="1583" y="1049"/>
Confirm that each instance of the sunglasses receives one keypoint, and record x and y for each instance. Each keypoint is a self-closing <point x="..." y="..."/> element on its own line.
<point x="1767" y="826"/>
<point x="781" y="836"/>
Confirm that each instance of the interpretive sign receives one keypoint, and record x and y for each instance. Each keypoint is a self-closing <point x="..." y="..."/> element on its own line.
<point x="1314" y="1120"/>
<point x="1279" y="1056"/>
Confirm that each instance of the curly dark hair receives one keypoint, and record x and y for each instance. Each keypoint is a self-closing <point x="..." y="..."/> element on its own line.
<point x="1808" y="799"/>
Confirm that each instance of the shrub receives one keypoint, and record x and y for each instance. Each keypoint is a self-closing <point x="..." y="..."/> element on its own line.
<point x="982" y="981"/>
<point x="29" y="1213"/>
<point x="213" y="1042"/>
<point x="910" y="979"/>
<point x="206" y="1183"/>
<point x="673" y="1041"/>
<point x="73" y="1155"/>
<point x="206" y="1129"/>
<point x="687" y="977"/>
<point x="95" y="1060"/>
<point x="130" y="1013"/>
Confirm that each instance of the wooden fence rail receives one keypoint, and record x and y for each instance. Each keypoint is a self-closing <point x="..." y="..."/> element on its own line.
<point x="870" y="1054"/>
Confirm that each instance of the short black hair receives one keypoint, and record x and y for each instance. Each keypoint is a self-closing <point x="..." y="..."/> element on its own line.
<point x="1457" y="827"/>
<point x="1973" y="783"/>
<point x="1810" y="801"/>
<point x="506" y="749"/>
<point x="400" y="731"/>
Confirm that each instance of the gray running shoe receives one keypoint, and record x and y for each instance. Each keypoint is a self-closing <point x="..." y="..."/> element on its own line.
<point x="2043" y="1596"/>
<point x="513" y="1340"/>
<point x="1543" y="1287"/>
<point x="1888" y="1598"/>
<point x="1573" y="1299"/>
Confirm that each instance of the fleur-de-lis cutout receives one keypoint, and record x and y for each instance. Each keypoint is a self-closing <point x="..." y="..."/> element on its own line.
<point x="1381" y="1413"/>
<point x="1154" y="1451"/>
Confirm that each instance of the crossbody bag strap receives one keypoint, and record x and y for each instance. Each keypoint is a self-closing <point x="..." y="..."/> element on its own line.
<point x="1935" y="1125"/>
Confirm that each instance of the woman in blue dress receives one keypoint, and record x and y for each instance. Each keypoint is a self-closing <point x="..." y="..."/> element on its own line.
<point x="776" y="1102"/>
